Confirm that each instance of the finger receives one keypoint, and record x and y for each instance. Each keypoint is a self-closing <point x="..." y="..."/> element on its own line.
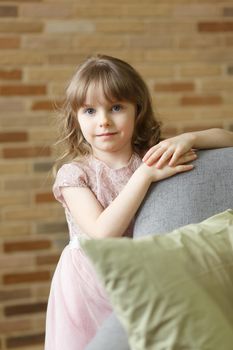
<point x="183" y="168"/>
<point x="190" y="153"/>
<point x="178" y="158"/>
<point x="155" y="156"/>
<point x="164" y="158"/>
<point x="149" y="153"/>
<point x="174" y="159"/>
<point x="186" y="158"/>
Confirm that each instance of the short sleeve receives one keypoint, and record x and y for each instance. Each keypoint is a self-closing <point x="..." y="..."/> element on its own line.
<point x="69" y="175"/>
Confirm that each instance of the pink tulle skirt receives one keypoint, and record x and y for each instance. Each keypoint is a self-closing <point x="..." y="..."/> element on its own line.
<point x="77" y="303"/>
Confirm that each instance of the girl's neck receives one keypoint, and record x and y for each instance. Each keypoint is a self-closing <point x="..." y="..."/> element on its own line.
<point x="114" y="160"/>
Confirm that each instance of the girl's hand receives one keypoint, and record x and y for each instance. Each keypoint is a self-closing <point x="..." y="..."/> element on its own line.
<point x="156" y="174"/>
<point x="169" y="151"/>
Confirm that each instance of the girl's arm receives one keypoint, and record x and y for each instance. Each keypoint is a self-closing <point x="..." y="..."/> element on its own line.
<point x="172" y="148"/>
<point x="113" y="221"/>
<point x="212" y="138"/>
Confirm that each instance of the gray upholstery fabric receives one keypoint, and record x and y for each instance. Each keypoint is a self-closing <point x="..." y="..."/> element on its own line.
<point x="180" y="200"/>
<point x="189" y="197"/>
<point x="111" y="336"/>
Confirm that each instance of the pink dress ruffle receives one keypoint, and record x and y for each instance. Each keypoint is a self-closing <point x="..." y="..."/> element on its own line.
<point x="78" y="303"/>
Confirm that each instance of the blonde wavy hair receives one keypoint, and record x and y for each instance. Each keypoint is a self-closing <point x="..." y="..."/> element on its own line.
<point x="120" y="82"/>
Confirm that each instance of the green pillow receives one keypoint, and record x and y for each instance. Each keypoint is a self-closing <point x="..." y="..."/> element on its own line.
<point x="172" y="291"/>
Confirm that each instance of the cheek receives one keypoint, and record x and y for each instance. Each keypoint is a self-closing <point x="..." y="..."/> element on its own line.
<point x="81" y="123"/>
<point x="84" y="130"/>
<point x="128" y="131"/>
<point x="130" y="127"/>
<point x="82" y="127"/>
<point x="87" y="129"/>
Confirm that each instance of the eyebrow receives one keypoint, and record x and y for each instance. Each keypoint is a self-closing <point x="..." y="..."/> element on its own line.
<point x="109" y="103"/>
<point x="86" y="105"/>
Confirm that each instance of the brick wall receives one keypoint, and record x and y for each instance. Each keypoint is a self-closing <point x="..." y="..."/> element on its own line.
<point x="184" y="50"/>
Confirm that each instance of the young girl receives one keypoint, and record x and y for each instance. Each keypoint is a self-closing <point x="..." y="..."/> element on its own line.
<point x="108" y="126"/>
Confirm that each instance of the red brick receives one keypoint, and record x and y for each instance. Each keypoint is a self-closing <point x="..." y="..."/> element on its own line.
<point x="228" y="11"/>
<point x="215" y="27"/>
<point x="13" y="74"/>
<point x="8" y="11"/>
<point x="47" y="259"/>
<point x="22" y="309"/>
<point x="201" y="100"/>
<point x="26" y="277"/>
<point x="44" y="197"/>
<point x="25" y="340"/>
<point x="13" y="137"/>
<point x="26" y="152"/>
<point x="43" y="105"/>
<point x="10" y="43"/>
<point x="26" y="246"/>
<point x="174" y="87"/>
<point x="22" y="90"/>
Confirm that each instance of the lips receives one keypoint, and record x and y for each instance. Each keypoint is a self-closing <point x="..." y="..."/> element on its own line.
<point x="107" y="134"/>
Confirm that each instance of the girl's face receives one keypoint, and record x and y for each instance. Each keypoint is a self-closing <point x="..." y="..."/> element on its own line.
<point x="107" y="126"/>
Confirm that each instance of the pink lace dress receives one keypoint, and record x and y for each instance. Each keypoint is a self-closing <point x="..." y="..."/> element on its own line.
<point x="77" y="303"/>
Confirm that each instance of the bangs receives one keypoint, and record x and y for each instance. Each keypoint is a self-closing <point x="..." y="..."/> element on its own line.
<point x="113" y="82"/>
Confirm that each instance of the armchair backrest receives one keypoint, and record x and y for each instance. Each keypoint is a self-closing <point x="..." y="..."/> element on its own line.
<point x="189" y="197"/>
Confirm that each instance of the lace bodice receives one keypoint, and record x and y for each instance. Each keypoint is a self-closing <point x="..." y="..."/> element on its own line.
<point x="105" y="182"/>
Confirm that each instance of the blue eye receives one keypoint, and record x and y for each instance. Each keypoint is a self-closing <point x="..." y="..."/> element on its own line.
<point x="116" y="108"/>
<point x="89" y="111"/>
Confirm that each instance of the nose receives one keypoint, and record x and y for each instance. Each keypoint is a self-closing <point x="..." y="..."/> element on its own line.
<point x="104" y="119"/>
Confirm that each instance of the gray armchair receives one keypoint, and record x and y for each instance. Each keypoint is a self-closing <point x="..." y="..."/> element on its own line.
<point x="180" y="200"/>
